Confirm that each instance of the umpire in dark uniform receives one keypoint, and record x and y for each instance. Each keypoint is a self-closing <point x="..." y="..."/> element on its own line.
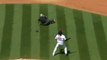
<point x="44" y="20"/>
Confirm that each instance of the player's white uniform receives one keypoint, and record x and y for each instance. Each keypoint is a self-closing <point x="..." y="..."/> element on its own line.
<point x="60" y="41"/>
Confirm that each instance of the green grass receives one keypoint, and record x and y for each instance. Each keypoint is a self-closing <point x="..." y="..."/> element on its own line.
<point x="26" y="32"/>
<point x="16" y="35"/>
<point x="100" y="36"/>
<point x="35" y="37"/>
<point x="81" y="37"/>
<point x="44" y="35"/>
<point x="19" y="39"/>
<point x="7" y="32"/>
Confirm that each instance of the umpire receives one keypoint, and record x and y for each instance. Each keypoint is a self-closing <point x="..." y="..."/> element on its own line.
<point x="44" y="20"/>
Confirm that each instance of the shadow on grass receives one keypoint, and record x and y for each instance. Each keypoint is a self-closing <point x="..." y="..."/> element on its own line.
<point x="62" y="52"/>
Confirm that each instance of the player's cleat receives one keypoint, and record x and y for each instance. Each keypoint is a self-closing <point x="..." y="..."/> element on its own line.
<point x="54" y="20"/>
<point x="53" y="54"/>
<point x="66" y="54"/>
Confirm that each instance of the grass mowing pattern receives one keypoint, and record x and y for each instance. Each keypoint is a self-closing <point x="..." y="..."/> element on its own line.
<point x="71" y="33"/>
<point x="81" y="33"/>
<point x="100" y="36"/>
<point x="81" y="37"/>
<point x="61" y="25"/>
<point x="26" y="32"/>
<point x="16" y="32"/>
<point x="90" y="35"/>
<point x="52" y="31"/>
<point x="44" y="35"/>
<point x="2" y="20"/>
<point x="7" y="32"/>
<point x="35" y="37"/>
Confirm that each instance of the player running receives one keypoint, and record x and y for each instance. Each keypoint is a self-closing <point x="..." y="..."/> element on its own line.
<point x="60" y="42"/>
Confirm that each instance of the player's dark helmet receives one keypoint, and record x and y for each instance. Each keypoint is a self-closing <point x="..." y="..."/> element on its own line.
<point x="60" y="32"/>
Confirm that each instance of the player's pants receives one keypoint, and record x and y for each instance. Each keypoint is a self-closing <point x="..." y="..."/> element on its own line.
<point x="56" y="47"/>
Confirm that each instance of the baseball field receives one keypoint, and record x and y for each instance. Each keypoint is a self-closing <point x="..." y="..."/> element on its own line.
<point x="20" y="40"/>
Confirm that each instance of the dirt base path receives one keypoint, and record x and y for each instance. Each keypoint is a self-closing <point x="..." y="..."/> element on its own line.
<point x="93" y="6"/>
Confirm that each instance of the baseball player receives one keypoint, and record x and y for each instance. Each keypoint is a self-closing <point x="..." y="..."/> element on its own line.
<point x="44" y="20"/>
<point x="60" y="42"/>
